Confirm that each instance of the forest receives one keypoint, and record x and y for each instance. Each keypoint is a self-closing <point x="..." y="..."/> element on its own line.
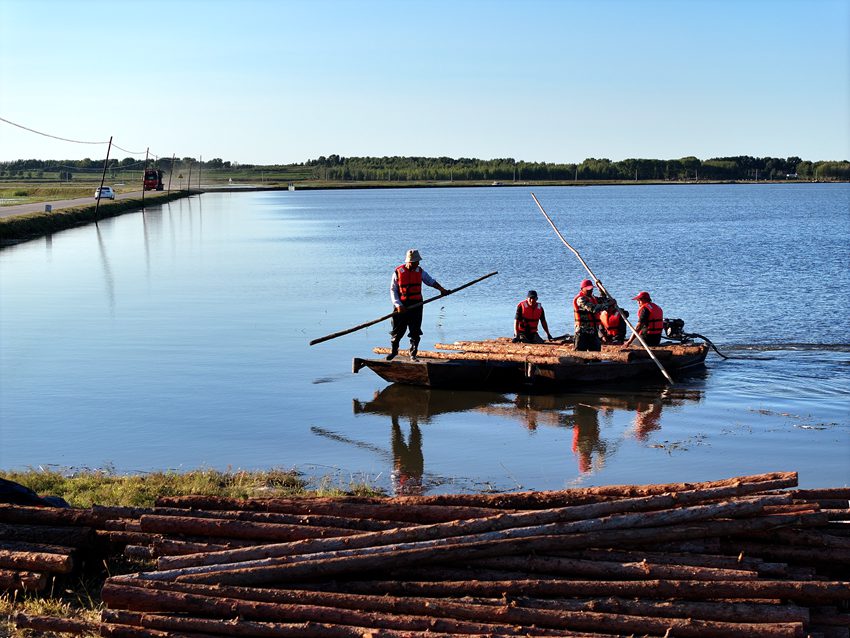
<point x="447" y="169"/>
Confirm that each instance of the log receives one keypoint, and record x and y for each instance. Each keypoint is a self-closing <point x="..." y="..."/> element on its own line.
<point x="378" y="509"/>
<point x="22" y="581"/>
<point x="480" y="525"/>
<point x="54" y="624"/>
<point x="51" y="516"/>
<point x="361" y="524"/>
<point x="36" y="561"/>
<point x="71" y="536"/>
<point x="226" y="528"/>
<point x="580" y="496"/>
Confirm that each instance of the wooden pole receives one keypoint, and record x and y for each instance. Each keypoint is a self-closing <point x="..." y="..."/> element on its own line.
<point x="602" y="288"/>
<point x="102" y="177"/>
<point x="403" y="310"/>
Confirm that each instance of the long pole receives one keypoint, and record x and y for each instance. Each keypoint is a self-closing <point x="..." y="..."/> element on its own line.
<point x="403" y="310"/>
<point x="602" y="288"/>
<point x="102" y="178"/>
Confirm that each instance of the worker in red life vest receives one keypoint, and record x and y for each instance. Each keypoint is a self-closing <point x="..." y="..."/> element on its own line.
<point x="586" y="309"/>
<point x="614" y="326"/>
<point x="406" y="291"/>
<point x="650" y="320"/>
<point x="528" y="314"/>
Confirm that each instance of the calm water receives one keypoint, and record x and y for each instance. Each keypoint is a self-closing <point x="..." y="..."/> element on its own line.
<point x="177" y="338"/>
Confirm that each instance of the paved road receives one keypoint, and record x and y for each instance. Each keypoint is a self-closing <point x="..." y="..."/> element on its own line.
<point x="37" y="207"/>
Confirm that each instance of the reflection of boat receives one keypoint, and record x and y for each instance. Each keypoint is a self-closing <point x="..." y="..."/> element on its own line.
<point x="423" y="403"/>
<point x="498" y="364"/>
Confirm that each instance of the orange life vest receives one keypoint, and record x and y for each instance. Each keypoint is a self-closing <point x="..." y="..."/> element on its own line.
<point x="409" y="284"/>
<point x="655" y="324"/>
<point x="582" y="317"/>
<point x="530" y="316"/>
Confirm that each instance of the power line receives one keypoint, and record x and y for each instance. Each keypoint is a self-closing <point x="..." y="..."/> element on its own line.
<point x="65" y="139"/>
<point x="56" y="137"/>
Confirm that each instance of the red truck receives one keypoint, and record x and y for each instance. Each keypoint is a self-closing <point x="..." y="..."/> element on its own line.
<point x="153" y="179"/>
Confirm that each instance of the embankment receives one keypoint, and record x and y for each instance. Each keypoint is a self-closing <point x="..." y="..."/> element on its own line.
<point x="21" y="228"/>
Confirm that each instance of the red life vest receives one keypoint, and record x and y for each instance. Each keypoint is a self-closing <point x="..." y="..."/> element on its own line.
<point x="613" y="324"/>
<point x="655" y="324"/>
<point x="585" y="317"/>
<point x="409" y="284"/>
<point x="530" y="316"/>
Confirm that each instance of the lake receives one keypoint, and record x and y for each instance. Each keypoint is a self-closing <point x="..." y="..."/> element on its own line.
<point x="177" y="338"/>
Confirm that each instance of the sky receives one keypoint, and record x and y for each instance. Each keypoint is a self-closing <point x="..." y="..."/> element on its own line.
<point x="279" y="81"/>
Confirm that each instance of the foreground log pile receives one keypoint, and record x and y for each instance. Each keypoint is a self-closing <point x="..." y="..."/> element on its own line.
<point x="742" y="557"/>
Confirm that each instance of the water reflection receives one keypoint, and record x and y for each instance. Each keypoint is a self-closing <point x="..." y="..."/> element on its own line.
<point x="584" y="413"/>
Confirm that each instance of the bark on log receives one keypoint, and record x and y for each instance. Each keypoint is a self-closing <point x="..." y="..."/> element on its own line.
<point x="22" y="581"/>
<point x="466" y="548"/>
<point x="227" y="528"/>
<point x="54" y="624"/>
<point x="241" y="627"/>
<point x="801" y="593"/>
<point x="36" y="561"/>
<point x="139" y="599"/>
<point x="730" y="612"/>
<point x="609" y="570"/>
<point x="71" y="536"/>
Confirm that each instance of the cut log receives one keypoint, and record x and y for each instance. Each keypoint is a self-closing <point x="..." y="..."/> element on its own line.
<point x="361" y="524"/>
<point x="22" y="581"/>
<point x="54" y="624"/>
<point x="36" y="561"/>
<point x="70" y="536"/>
<point x="226" y="528"/>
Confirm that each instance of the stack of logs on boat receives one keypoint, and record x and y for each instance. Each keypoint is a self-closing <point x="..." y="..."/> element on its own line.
<point x="741" y="557"/>
<point x="555" y="352"/>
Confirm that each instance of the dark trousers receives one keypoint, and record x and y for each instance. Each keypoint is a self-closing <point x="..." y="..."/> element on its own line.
<point x="652" y="340"/>
<point x="588" y="342"/>
<point x="411" y="322"/>
<point x="529" y="337"/>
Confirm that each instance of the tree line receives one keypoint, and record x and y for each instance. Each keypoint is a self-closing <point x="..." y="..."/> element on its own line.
<point x="447" y="169"/>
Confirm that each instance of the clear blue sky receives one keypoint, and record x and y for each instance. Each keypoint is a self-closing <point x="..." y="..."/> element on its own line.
<point x="278" y="81"/>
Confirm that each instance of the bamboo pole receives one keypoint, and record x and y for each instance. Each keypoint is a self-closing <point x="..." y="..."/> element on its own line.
<point x="602" y="288"/>
<point x="406" y="309"/>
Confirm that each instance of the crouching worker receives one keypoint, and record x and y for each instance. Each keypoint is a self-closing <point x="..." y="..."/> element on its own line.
<point x="586" y="310"/>
<point x="614" y="325"/>
<point x="529" y="314"/>
<point x="650" y="321"/>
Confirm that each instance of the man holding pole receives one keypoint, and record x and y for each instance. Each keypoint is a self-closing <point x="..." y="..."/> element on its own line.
<point x="586" y="309"/>
<point x="406" y="291"/>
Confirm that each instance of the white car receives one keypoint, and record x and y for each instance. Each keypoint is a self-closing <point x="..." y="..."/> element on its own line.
<point x="104" y="192"/>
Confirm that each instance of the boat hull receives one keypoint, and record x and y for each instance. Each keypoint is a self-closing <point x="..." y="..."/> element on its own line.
<point x="517" y="375"/>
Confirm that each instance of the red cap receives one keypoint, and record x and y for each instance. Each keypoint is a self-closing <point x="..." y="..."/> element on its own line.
<point x="642" y="296"/>
<point x="586" y="284"/>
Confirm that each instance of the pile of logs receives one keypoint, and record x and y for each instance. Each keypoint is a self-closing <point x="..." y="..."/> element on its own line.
<point x="741" y="557"/>
<point x="549" y="353"/>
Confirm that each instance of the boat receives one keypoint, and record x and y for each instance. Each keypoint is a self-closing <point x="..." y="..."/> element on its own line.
<point x="501" y="365"/>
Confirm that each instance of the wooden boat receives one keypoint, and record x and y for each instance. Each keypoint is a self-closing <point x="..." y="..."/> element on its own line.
<point x="500" y="364"/>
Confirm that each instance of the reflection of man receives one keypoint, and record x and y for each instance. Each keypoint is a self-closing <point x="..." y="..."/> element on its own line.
<point x="408" y="462"/>
<point x="586" y="437"/>
<point x="647" y="419"/>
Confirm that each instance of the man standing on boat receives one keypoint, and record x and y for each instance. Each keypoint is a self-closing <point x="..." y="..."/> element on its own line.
<point x="586" y="309"/>
<point x="650" y="320"/>
<point x="406" y="291"/>
<point x="528" y="314"/>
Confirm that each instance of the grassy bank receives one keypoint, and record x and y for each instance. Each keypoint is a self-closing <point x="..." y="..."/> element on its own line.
<point x="78" y="597"/>
<point x="18" y="228"/>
